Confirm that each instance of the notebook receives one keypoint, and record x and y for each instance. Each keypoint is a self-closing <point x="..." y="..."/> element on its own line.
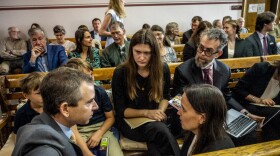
<point x="136" y="122"/>
<point x="239" y="124"/>
<point x="263" y="105"/>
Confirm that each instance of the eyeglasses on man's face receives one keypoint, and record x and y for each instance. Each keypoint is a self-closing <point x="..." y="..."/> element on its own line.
<point x="207" y="51"/>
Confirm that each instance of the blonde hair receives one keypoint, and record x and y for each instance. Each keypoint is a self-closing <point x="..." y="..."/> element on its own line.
<point x="118" y="7"/>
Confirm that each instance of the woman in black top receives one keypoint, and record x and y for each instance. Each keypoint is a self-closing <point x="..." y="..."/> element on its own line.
<point x="140" y="88"/>
<point x="203" y="114"/>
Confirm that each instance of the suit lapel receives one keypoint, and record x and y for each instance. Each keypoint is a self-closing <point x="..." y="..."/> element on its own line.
<point x="197" y="75"/>
<point x="216" y="75"/>
<point x="259" y="44"/>
<point x="49" y="56"/>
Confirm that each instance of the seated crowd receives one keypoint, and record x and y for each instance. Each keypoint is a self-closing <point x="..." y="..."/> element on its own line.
<point x="67" y="113"/>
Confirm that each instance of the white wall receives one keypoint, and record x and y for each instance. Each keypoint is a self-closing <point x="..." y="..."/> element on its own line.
<point x="136" y="16"/>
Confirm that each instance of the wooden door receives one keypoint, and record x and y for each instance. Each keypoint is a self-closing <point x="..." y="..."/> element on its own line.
<point x="250" y="12"/>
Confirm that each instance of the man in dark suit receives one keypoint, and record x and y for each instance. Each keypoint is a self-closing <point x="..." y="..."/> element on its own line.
<point x="43" y="57"/>
<point x="68" y="97"/>
<point x="194" y="25"/>
<point x="96" y="24"/>
<point x="204" y="68"/>
<point x="260" y="43"/>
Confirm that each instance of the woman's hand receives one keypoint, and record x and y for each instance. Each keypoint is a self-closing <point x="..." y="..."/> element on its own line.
<point x="268" y="102"/>
<point x="156" y="114"/>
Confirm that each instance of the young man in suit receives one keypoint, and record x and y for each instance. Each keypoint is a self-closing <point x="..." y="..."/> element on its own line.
<point x="68" y="97"/>
<point x="43" y="57"/>
<point x="96" y="24"/>
<point x="260" y="43"/>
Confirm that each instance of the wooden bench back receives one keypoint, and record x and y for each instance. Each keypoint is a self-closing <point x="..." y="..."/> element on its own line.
<point x="179" y="51"/>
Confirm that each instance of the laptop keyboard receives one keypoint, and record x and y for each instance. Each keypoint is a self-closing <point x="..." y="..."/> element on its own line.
<point x="238" y="125"/>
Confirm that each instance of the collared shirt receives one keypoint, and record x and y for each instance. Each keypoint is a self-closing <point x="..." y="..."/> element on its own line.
<point x="43" y="62"/>
<point x="66" y="130"/>
<point x="96" y="36"/>
<point x="18" y="48"/>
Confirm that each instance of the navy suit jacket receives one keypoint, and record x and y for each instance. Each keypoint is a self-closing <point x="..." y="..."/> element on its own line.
<point x="253" y="45"/>
<point x="188" y="73"/>
<point x="103" y="38"/>
<point x="44" y="137"/>
<point x="56" y="57"/>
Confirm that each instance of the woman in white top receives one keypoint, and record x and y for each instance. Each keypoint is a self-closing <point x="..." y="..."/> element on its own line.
<point x="59" y="33"/>
<point x="167" y="53"/>
<point x="115" y="12"/>
<point x="235" y="46"/>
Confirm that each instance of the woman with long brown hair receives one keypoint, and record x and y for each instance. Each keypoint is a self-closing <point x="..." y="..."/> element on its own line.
<point x="140" y="89"/>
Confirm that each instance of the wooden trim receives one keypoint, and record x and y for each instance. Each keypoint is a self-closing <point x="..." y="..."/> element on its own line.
<point x="102" y="5"/>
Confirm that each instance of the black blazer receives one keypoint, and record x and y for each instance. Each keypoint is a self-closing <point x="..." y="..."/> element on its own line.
<point x="186" y="36"/>
<point x="238" y="49"/>
<point x="253" y="45"/>
<point x="188" y="73"/>
<point x="220" y="144"/>
<point x="254" y="82"/>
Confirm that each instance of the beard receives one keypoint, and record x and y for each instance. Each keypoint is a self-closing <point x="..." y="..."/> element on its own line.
<point x="199" y="63"/>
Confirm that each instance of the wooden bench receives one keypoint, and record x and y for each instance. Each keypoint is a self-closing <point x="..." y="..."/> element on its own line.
<point x="179" y="51"/>
<point x="271" y="148"/>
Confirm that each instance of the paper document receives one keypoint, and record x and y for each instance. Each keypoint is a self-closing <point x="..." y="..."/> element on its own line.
<point x="136" y="122"/>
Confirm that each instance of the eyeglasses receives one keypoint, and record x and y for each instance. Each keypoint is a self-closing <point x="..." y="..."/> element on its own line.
<point x="207" y="51"/>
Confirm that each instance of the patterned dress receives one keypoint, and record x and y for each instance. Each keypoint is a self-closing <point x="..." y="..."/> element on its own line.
<point x="93" y="59"/>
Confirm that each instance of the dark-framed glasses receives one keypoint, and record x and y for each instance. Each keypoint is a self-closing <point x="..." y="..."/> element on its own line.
<point x="207" y="51"/>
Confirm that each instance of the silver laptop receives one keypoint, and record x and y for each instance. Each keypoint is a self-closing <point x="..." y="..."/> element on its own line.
<point x="239" y="124"/>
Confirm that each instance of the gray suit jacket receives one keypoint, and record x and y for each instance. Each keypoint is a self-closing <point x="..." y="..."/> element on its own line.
<point x="44" y="137"/>
<point x="188" y="73"/>
<point x="253" y="45"/>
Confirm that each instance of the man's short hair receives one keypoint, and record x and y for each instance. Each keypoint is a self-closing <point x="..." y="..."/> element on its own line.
<point x="117" y="23"/>
<point x="96" y="19"/>
<point x="62" y="85"/>
<point x="264" y="18"/>
<point x="32" y="82"/>
<point x="33" y="31"/>
<point x="59" y="29"/>
<point x="216" y="34"/>
<point x="227" y="18"/>
<point x="196" y="18"/>
<point x="11" y="28"/>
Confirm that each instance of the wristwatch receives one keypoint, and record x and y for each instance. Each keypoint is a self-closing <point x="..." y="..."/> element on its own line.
<point x="246" y="113"/>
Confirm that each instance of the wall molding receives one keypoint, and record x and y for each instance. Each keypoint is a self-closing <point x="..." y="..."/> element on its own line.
<point x="102" y="5"/>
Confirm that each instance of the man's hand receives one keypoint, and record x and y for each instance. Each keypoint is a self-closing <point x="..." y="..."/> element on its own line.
<point x="156" y="114"/>
<point x="35" y="52"/>
<point x="94" y="140"/>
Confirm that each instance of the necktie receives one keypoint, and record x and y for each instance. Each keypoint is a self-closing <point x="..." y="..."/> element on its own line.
<point x="207" y="77"/>
<point x="73" y="139"/>
<point x="264" y="46"/>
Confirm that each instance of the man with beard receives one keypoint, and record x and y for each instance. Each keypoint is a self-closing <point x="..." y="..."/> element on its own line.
<point x="260" y="43"/>
<point x="205" y="68"/>
<point x="115" y="53"/>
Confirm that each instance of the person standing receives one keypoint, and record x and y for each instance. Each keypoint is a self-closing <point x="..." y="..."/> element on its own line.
<point x="115" y="12"/>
